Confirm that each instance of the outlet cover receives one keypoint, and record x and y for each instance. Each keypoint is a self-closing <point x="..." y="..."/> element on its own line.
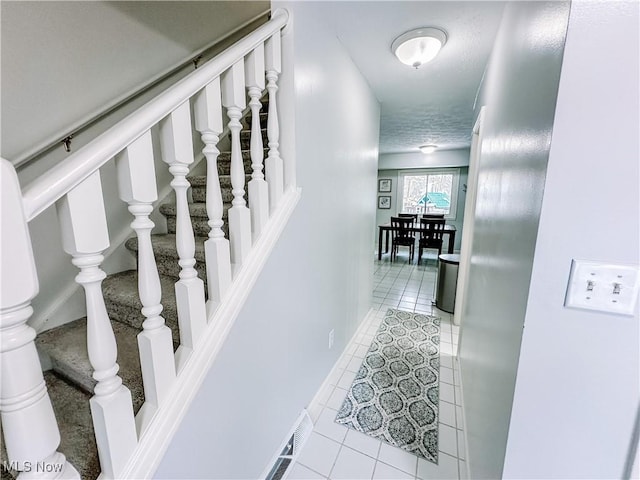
<point x="331" y="335"/>
<point x="604" y="287"/>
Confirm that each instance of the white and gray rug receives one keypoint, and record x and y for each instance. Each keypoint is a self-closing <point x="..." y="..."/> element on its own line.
<point x="394" y="396"/>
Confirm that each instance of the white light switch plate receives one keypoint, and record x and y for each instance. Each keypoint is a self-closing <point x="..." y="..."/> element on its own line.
<point x="603" y="286"/>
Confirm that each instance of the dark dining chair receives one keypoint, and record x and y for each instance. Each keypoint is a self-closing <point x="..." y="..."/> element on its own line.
<point x="432" y="215"/>
<point x="431" y="233"/>
<point x="401" y="235"/>
<point x="409" y="215"/>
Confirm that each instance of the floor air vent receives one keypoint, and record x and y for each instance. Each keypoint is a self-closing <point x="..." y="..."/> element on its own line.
<point x="292" y="447"/>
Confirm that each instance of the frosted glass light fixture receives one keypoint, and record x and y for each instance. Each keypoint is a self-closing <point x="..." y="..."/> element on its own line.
<point x="417" y="47"/>
<point x="428" y="148"/>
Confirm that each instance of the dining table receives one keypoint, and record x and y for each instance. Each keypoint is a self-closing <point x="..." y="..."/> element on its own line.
<point x="385" y="228"/>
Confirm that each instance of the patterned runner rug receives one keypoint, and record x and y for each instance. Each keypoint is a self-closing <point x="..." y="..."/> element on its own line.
<point x="394" y="396"/>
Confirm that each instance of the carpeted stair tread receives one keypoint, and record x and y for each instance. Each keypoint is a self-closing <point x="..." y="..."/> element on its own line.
<point x="264" y="114"/>
<point x="77" y="440"/>
<point x="224" y="163"/>
<point x="164" y="244"/>
<point x="166" y="254"/>
<point x="225" y="157"/>
<point x="196" y="209"/>
<point x="245" y="139"/>
<point x="199" y="219"/>
<point x="200" y="181"/>
<point x="66" y="346"/>
<point x="199" y="190"/>
<point x="121" y="297"/>
<point x="197" y="180"/>
<point x="73" y="415"/>
<point x="4" y="473"/>
<point x="245" y="134"/>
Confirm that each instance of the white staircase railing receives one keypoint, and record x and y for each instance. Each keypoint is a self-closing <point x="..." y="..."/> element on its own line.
<point x="128" y="446"/>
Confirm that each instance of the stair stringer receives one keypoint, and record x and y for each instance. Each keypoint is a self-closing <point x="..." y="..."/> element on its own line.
<point x="156" y="435"/>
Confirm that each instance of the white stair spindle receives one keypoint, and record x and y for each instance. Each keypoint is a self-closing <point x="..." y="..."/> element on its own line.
<point x="137" y="186"/>
<point x="84" y="236"/>
<point x="273" y="163"/>
<point x="29" y="425"/>
<point x="233" y="98"/>
<point x="258" y="188"/>
<point x="208" y="116"/>
<point x="177" y="151"/>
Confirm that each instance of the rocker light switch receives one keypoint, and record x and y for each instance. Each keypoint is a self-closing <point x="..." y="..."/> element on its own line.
<point x="604" y="287"/>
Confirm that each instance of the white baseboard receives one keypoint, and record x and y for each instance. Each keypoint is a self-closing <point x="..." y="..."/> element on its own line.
<point x="456" y="364"/>
<point x="361" y="328"/>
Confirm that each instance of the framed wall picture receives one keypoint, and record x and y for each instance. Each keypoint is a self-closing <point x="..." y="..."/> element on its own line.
<point x="384" y="201"/>
<point x="384" y="185"/>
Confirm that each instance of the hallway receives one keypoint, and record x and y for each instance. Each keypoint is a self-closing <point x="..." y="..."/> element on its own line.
<point x="336" y="452"/>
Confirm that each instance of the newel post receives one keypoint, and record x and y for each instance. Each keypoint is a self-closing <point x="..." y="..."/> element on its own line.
<point x="208" y="116"/>
<point x="258" y="188"/>
<point x="177" y="152"/>
<point x="84" y="236"/>
<point x="273" y="163"/>
<point x="233" y="98"/>
<point x="137" y="186"/>
<point x="29" y="425"/>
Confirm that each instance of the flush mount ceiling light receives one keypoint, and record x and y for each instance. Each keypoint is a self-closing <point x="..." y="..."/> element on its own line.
<point x="428" y="148"/>
<point x="417" y="47"/>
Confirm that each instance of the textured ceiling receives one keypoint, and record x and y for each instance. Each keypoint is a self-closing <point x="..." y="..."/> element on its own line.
<point x="435" y="103"/>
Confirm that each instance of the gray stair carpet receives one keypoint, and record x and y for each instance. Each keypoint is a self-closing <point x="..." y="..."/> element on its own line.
<point x="77" y="440"/>
<point x="69" y="380"/>
<point x="164" y="248"/>
<point x="67" y="348"/>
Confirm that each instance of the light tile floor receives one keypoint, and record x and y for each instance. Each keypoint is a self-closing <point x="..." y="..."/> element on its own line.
<point x="334" y="451"/>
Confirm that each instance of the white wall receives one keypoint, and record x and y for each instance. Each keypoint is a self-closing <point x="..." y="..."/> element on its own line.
<point x="318" y="278"/>
<point x="437" y="159"/>
<point x="62" y="61"/>
<point x="519" y="92"/>
<point x="384" y="215"/>
<point x="578" y="383"/>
